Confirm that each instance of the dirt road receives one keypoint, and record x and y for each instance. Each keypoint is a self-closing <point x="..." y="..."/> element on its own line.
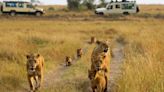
<point x="115" y="69"/>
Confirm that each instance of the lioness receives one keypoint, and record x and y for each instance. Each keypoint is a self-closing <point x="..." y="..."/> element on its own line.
<point x="98" y="81"/>
<point x="101" y="56"/>
<point x="34" y="70"/>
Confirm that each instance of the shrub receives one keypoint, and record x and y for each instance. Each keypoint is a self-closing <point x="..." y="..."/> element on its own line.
<point x="51" y="9"/>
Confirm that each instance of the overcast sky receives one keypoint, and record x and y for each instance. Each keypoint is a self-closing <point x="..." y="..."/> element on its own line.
<point x="63" y="2"/>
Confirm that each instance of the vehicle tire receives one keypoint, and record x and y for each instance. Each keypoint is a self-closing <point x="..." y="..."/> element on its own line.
<point x="126" y="13"/>
<point x="12" y="13"/>
<point x="38" y="14"/>
<point x="1" y="13"/>
<point x="138" y="10"/>
<point x="101" y="13"/>
<point x="96" y="12"/>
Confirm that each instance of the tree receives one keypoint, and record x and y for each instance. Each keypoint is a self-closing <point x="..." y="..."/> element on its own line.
<point x="89" y="3"/>
<point x="73" y="4"/>
<point x="102" y="2"/>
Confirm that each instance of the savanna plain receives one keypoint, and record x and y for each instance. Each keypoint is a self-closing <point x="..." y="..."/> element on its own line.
<point x="59" y="33"/>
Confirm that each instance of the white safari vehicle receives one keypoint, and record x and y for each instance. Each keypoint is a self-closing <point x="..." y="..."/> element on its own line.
<point x="20" y="7"/>
<point x="119" y="7"/>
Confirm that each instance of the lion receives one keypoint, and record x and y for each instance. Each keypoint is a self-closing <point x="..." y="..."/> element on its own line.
<point x="101" y="56"/>
<point x="68" y="61"/>
<point x="98" y="81"/>
<point x="79" y="53"/>
<point x="34" y="65"/>
<point x="100" y="60"/>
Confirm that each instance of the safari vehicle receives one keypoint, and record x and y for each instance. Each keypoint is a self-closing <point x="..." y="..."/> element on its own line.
<point x="1" y="7"/>
<point x="119" y="7"/>
<point x="20" y="7"/>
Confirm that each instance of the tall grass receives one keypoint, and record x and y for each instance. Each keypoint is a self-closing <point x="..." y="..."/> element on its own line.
<point x="55" y="39"/>
<point x="143" y="69"/>
<point x="52" y="39"/>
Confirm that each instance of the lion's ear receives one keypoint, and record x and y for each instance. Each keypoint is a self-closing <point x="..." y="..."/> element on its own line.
<point x="106" y="41"/>
<point x="38" y="55"/>
<point x="98" y="42"/>
<point x="27" y="56"/>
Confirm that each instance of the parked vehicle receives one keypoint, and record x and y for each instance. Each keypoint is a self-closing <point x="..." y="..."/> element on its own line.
<point x="20" y="7"/>
<point x="119" y="7"/>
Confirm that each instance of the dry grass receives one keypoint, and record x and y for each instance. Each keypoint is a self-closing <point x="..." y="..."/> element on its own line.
<point x="143" y="64"/>
<point x="143" y="69"/>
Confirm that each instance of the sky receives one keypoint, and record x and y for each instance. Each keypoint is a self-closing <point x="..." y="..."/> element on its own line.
<point x="64" y="2"/>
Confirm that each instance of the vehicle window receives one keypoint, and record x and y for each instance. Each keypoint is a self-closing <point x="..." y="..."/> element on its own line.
<point x="11" y="4"/>
<point x="132" y="6"/>
<point x="110" y="7"/>
<point x="128" y="6"/>
<point x="117" y="6"/>
<point x="20" y="5"/>
<point x="29" y="6"/>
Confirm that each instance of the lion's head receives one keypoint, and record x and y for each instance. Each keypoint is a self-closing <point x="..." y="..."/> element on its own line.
<point x="99" y="61"/>
<point x="68" y="59"/>
<point x="91" y="74"/>
<point x="32" y="62"/>
<point x="102" y="47"/>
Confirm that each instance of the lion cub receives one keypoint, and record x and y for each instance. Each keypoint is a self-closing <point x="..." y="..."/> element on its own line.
<point x="68" y="61"/>
<point x="93" y="40"/>
<point x="79" y="53"/>
<point x="34" y="70"/>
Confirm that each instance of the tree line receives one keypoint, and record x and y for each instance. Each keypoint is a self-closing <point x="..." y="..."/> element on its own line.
<point x="83" y="4"/>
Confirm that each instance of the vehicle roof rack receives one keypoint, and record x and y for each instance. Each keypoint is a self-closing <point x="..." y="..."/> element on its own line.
<point x="17" y="1"/>
<point x="121" y="1"/>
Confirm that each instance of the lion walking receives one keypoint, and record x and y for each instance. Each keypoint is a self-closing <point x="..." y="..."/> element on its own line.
<point x="34" y="65"/>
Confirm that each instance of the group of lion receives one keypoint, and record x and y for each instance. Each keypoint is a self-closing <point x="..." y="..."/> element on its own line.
<point x="100" y="59"/>
<point x="69" y="60"/>
<point x="97" y="74"/>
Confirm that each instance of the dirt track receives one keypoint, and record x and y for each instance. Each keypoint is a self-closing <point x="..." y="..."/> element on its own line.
<point x="115" y="66"/>
<point x="115" y="69"/>
<point x="53" y="77"/>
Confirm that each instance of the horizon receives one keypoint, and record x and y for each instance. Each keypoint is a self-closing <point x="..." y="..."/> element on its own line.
<point x="64" y="2"/>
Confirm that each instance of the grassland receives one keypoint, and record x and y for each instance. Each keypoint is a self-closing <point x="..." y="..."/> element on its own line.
<point x="59" y="34"/>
